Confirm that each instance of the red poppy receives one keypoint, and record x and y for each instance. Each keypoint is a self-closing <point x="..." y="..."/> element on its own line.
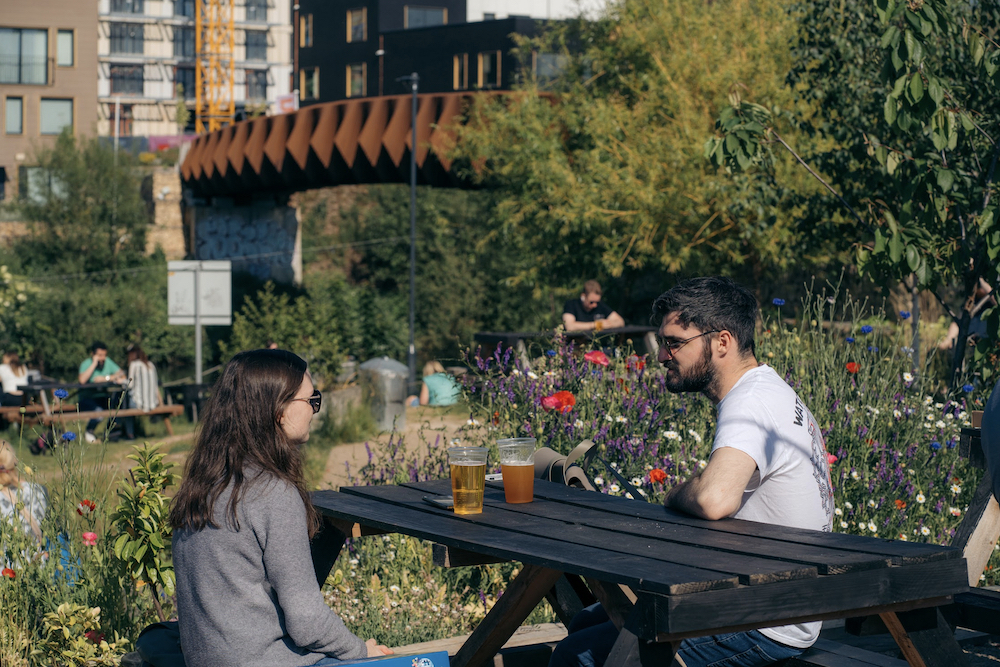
<point x="657" y="476"/>
<point x="831" y="459"/>
<point x="900" y="505"/>
<point x="94" y="636"/>
<point x="85" y="507"/>
<point x="635" y="363"/>
<point x="7" y="572"/>
<point x="597" y="357"/>
<point x="563" y="401"/>
<point x="853" y="367"/>
<point x="496" y="418"/>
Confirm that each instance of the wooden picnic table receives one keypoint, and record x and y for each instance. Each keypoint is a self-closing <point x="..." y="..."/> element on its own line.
<point x="662" y="575"/>
<point x="41" y="388"/>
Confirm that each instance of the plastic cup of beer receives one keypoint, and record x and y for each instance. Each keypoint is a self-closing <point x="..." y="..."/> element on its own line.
<point x="517" y="464"/>
<point x="468" y="478"/>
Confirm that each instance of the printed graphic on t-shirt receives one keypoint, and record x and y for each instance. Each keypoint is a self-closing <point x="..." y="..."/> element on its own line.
<point x="821" y="472"/>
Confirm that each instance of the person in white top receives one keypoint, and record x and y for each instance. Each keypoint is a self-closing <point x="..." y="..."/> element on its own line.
<point x="143" y="384"/>
<point x="768" y="461"/>
<point x="13" y="376"/>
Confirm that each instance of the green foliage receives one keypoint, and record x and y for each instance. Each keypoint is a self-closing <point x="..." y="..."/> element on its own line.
<point x="73" y="637"/>
<point x="141" y="527"/>
<point x="603" y="174"/>
<point x="302" y="325"/>
<point x="182" y="113"/>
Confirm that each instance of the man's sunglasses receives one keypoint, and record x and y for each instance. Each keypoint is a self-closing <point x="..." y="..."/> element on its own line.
<point x="315" y="401"/>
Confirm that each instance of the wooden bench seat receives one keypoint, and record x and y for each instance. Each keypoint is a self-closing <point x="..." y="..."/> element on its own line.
<point x="979" y="609"/>
<point x="826" y="653"/>
<point x="167" y="411"/>
<point x="14" y="412"/>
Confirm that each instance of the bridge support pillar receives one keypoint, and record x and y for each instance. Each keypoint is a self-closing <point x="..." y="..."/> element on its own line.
<point x="262" y="237"/>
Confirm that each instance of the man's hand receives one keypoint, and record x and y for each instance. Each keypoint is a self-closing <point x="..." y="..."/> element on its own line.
<point x="376" y="650"/>
<point x="718" y="491"/>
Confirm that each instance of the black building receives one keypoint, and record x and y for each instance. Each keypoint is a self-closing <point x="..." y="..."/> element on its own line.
<point x="360" y="50"/>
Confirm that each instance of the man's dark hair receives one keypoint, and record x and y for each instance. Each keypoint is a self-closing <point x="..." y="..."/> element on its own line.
<point x="711" y="303"/>
<point x="98" y="345"/>
<point x="592" y="287"/>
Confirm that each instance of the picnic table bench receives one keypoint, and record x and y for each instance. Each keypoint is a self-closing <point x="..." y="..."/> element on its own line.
<point x="662" y="575"/>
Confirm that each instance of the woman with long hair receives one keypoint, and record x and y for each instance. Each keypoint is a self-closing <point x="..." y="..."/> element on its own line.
<point x="246" y="589"/>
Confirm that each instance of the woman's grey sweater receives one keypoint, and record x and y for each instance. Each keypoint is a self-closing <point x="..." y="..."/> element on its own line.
<point x="249" y="597"/>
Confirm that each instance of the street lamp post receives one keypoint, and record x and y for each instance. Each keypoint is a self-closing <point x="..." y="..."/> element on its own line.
<point x="414" y="81"/>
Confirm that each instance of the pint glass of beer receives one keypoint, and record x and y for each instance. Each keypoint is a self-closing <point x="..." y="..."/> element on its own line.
<point x="517" y="463"/>
<point x="468" y="478"/>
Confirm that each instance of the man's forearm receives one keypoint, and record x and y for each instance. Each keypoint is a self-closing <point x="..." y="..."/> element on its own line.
<point x="691" y="497"/>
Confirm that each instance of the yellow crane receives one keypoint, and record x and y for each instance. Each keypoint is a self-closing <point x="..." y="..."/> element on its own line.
<point x="214" y="68"/>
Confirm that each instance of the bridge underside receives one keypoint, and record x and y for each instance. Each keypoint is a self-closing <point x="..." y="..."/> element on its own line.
<point x="337" y="143"/>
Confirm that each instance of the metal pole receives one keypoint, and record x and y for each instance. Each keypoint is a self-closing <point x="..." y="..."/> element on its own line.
<point x="197" y="324"/>
<point x="118" y="106"/>
<point x="415" y="84"/>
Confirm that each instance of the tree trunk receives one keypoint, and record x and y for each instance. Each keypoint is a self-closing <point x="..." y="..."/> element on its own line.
<point x="958" y="353"/>
<point x="915" y="323"/>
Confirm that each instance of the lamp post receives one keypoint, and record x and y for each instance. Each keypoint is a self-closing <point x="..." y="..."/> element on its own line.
<point x="414" y="81"/>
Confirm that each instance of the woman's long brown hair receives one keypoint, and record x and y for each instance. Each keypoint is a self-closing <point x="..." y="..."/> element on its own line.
<point x="241" y="434"/>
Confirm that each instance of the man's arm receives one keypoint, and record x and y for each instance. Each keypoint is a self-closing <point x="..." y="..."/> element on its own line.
<point x="85" y="375"/>
<point x="569" y="321"/>
<point x="718" y="491"/>
<point x="614" y="320"/>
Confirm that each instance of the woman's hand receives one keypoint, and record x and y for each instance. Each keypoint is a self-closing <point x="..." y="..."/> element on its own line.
<point x="376" y="650"/>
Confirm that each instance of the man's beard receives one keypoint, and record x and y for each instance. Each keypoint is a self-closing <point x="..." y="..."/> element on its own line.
<point x="697" y="380"/>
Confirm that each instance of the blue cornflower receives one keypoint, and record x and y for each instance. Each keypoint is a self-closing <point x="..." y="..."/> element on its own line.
<point x="935" y="445"/>
<point x="872" y="349"/>
<point x="69" y="436"/>
<point x="61" y="393"/>
<point x="967" y="388"/>
<point x="550" y="353"/>
<point x="905" y="314"/>
<point x="850" y="339"/>
<point x="866" y="329"/>
<point x="778" y="302"/>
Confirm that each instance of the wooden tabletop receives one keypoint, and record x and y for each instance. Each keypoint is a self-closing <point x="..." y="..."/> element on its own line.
<point x="692" y="577"/>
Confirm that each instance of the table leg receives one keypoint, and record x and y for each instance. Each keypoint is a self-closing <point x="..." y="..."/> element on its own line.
<point x="326" y="546"/>
<point x="933" y="646"/>
<point x="569" y="597"/>
<point x="616" y="599"/>
<point x="979" y="530"/>
<point x="522" y="595"/>
<point x="45" y="403"/>
<point x="630" y="651"/>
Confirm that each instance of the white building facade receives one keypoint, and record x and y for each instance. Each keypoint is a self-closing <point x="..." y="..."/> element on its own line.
<point x="485" y="10"/>
<point x="146" y="48"/>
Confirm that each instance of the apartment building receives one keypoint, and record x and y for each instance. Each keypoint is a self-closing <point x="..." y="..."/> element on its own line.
<point x="146" y="49"/>
<point x="48" y="68"/>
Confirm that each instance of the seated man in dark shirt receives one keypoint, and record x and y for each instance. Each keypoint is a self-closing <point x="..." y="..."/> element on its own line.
<point x="588" y="313"/>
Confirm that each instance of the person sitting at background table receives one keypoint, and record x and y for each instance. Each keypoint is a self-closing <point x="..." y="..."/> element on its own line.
<point x="438" y="388"/>
<point x="589" y="313"/>
<point x="143" y="385"/>
<point x="13" y="376"/>
<point x="242" y="519"/>
<point x="97" y="368"/>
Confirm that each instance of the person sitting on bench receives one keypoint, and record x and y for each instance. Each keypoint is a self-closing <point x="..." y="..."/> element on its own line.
<point x="242" y="519"/>
<point x="97" y="368"/>
<point x="589" y="313"/>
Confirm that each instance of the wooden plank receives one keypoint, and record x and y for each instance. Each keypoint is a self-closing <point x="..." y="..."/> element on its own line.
<point x="526" y="635"/>
<point x="824" y="559"/>
<point x="978" y="610"/>
<point x="900" y="552"/>
<point x="977" y="534"/>
<point x="444" y="556"/>
<point x="910" y="652"/>
<point x="750" y="569"/>
<point x="617" y="600"/>
<point x="935" y="645"/>
<point x="325" y="547"/>
<point x="519" y="599"/>
<point x="803" y="600"/>
<point x="442" y="526"/>
<point x="564" y="600"/>
<point x="630" y="650"/>
<point x="856" y="654"/>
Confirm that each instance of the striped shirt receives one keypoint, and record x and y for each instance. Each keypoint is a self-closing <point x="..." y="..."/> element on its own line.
<point x="144" y="385"/>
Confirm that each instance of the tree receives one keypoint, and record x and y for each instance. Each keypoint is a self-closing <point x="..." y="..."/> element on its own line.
<point x="914" y="147"/>
<point x="602" y="174"/>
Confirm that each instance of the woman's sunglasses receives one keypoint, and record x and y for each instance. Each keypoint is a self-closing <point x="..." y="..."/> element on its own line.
<point x="315" y="401"/>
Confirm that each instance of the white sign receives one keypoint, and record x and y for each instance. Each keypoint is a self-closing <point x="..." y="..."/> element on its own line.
<point x="215" y="292"/>
<point x="286" y="103"/>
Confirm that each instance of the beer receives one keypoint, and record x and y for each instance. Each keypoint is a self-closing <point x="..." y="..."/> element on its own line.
<point x="468" y="480"/>
<point x="518" y="482"/>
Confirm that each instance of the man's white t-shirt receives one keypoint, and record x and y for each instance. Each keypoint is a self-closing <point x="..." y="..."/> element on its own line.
<point x="764" y="418"/>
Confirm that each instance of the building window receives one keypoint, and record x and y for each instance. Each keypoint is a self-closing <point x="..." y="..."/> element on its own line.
<point x="127" y="38"/>
<point x="24" y="56"/>
<point x="256" y="84"/>
<point x="184" y="8"/>
<point x="489" y="16"/>
<point x="357" y="25"/>
<point x="309" y="83"/>
<point x="124" y="120"/>
<point x="256" y="45"/>
<point x="183" y="42"/>
<point x="64" y="48"/>
<point x="127" y="6"/>
<point x="306" y="30"/>
<point x="127" y="80"/>
<point x="256" y="10"/>
<point x="489" y="69"/>
<point x="548" y="67"/>
<point x="55" y="115"/>
<point x="357" y="80"/>
<point x="460" y="71"/>
<point x="184" y="77"/>
<point x="423" y="17"/>
<point x="14" y="116"/>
